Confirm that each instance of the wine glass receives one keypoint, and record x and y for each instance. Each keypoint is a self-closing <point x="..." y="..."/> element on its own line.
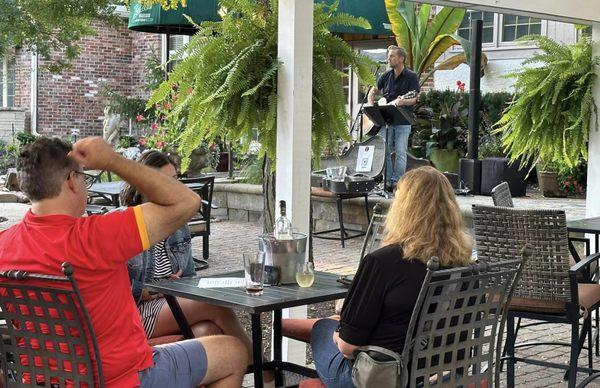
<point x="305" y="274"/>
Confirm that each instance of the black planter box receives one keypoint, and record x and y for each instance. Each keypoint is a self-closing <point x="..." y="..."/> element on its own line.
<point x="497" y="170"/>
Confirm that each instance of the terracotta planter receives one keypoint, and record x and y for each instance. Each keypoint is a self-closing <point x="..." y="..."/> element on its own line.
<point x="548" y="181"/>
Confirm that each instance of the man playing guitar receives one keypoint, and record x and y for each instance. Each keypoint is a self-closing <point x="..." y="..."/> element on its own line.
<point x="394" y="85"/>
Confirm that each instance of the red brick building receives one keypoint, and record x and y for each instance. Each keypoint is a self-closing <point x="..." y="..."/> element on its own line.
<point x="34" y="99"/>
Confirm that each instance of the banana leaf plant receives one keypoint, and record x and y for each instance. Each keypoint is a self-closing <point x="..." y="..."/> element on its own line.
<point x="425" y="37"/>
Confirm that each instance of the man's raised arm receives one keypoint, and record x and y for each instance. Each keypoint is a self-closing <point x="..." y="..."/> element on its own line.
<point x="168" y="203"/>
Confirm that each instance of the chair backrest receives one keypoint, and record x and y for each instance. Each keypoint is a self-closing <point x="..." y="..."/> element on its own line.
<point x="501" y="195"/>
<point x="350" y="157"/>
<point x="374" y="233"/>
<point x="47" y="338"/>
<point x="455" y="332"/>
<point x="501" y="232"/>
<point x="206" y="193"/>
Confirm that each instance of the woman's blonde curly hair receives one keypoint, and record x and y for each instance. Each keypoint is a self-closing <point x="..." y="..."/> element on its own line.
<point x="425" y="220"/>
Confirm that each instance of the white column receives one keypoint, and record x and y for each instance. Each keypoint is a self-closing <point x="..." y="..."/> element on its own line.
<point x="294" y="112"/>
<point x="592" y="204"/>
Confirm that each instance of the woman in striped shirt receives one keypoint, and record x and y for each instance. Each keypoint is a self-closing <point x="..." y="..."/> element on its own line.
<point x="172" y="259"/>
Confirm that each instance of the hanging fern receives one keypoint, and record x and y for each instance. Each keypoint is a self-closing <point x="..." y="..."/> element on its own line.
<point x="225" y="81"/>
<point x="549" y="118"/>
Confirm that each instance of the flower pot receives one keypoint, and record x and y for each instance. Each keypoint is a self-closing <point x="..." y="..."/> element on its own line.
<point x="548" y="181"/>
<point x="445" y="160"/>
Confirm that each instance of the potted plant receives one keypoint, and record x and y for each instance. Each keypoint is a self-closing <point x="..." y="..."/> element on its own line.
<point x="448" y="136"/>
<point x="547" y="174"/>
<point x="550" y="117"/>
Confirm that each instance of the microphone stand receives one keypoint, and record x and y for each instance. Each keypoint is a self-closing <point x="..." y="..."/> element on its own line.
<point x="360" y="112"/>
<point x="360" y="108"/>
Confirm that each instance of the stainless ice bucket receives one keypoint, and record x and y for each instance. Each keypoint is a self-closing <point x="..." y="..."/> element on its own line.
<point x="282" y="257"/>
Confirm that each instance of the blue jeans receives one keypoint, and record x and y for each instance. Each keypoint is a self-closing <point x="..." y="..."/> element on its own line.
<point x="397" y="143"/>
<point x="333" y="368"/>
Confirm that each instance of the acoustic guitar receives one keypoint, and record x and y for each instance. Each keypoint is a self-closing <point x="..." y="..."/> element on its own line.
<point x="369" y="128"/>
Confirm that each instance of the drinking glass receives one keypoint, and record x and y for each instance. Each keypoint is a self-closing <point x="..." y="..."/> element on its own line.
<point x="305" y="274"/>
<point x="337" y="173"/>
<point x="254" y="271"/>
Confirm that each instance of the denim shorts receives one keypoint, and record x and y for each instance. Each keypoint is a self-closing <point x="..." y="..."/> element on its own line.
<point x="180" y="364"/>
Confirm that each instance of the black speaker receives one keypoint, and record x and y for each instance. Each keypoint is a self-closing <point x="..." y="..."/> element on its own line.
<point x="469" y="173"/>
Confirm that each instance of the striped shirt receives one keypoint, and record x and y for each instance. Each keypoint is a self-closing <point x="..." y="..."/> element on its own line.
<point x="149" y="309"/>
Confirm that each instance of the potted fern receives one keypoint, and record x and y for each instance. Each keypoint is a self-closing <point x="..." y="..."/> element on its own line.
<point x="550" y="117"/>
<point x="225" y="83"/>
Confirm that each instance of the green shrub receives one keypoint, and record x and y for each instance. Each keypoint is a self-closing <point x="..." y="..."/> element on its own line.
<point x="435" y="104"/>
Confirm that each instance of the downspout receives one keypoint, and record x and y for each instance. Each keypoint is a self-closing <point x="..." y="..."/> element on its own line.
<point x="34" y="91"/>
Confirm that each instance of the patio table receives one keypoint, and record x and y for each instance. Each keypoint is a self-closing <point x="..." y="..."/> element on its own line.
<point x="586" y="225"/>
<point x="325" y="288"/>
<point x="111" y="190"/>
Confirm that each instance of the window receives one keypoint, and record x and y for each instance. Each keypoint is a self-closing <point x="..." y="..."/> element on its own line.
<point x="7" y="82"/>
<point x="464" y="29"/>
<point x="515" y="27"/>
<point x="176" y="42"/>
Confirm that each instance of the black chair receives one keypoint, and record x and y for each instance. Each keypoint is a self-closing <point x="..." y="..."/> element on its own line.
<point x="454" y="338"/>
<point x="550" y="290"/>
<point x="455" y="331"/>
<point x="47" y="338"/>
<point x="200" y="224"/>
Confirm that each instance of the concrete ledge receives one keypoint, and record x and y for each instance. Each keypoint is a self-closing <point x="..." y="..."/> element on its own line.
<point x="242" y="201"/>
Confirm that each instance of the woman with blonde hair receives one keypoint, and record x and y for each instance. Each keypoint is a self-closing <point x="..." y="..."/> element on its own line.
<point x="423" y="221"/>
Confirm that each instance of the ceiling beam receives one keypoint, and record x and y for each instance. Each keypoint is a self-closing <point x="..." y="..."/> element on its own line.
<point x="572" y="11"/>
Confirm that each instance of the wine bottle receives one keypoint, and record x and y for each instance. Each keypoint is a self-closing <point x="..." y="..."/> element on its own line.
<point x="282" y="229"/>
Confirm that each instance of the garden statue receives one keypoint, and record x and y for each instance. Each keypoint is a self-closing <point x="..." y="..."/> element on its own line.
<point x="199" y="159"/>
<point x="110" y="128"/>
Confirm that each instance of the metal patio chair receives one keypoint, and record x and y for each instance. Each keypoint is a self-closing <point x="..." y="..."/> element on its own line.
<point x="200" y="224"/>
<point x="455" y="332"/>
<point x="48" y="338"/>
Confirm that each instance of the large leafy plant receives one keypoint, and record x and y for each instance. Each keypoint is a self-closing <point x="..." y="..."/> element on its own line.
<point x="551" y="116"/>
<point x="425" y="37"/>
<point x="225" y="81"/>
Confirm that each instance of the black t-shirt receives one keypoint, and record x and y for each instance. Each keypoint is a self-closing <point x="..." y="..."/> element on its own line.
<point x="381" y="299"/>
<point x="391" y="86"/>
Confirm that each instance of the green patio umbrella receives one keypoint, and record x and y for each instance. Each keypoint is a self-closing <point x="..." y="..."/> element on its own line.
<point x="172" y="21"/>
<point x="155" y="19"/>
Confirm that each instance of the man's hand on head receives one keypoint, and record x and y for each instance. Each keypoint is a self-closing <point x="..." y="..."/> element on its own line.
<point x="94" y="153"/>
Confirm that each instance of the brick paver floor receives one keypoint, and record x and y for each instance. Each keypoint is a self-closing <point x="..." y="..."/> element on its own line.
<point x="230" y="238"/>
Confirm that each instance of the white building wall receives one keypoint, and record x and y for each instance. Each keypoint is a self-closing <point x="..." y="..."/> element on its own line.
<point x="503" y="58"/>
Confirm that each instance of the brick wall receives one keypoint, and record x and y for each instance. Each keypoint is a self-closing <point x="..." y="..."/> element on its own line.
<point x="113" y="58"/>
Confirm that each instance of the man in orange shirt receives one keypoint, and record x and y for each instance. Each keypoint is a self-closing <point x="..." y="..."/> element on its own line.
<point x="54" y="230"/>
